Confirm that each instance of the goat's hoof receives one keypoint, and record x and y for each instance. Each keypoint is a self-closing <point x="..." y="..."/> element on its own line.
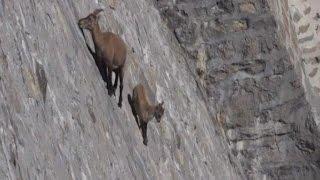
<point x="110" y="92"/>
<point x="120" y="105"/>
<point x="145" y="142"/>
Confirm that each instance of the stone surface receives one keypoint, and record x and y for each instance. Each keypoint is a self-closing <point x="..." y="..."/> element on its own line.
<point x="247" y="7"/>
<point x="308" y="35"/>
<point x="237" y="104"/>
<point x="56" y="119"/>
<point x="253" y="83"/>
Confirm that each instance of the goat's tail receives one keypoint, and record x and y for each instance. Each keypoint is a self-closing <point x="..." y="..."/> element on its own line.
<point x="132" y="107"/>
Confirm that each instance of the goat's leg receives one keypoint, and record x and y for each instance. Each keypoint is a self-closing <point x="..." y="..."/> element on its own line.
<point x="107" y="77"/>
<point x="103" y="71"/>
<point x="134" y="112"/>
<point x="109" y="82"/>
<point x="116" y="81"/>
<point x="144" y="128"/>
<point x="136" y="118"/>
<point x="121" y="74"/>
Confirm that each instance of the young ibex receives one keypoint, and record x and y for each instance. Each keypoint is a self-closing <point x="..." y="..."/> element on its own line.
<point x="143" y="111"/>
<point x="110" y="52"/>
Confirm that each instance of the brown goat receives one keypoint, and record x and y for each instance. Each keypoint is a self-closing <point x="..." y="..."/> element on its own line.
<point x="143" y="111"/>
<point x="110" y="52"/>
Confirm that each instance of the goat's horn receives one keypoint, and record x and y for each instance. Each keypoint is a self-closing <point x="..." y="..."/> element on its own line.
<point x="97" y="11"/>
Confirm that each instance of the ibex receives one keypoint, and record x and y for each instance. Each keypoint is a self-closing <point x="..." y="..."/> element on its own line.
<point x="143" y="111"/>
<point x="110" y="52"/>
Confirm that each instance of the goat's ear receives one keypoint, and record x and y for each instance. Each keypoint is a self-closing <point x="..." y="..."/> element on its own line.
<point x="162" y="103"/>
<point x="97" y="11"/>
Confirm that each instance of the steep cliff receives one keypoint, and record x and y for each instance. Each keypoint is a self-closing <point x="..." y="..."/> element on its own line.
<point x="57" y="121"/>
<point x="307" y="26"/>
<point x="228" y="71"/>
<point x="248" y="60"/>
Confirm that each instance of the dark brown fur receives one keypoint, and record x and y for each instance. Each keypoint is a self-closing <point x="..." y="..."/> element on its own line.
<point x="143" y="110"/>
<point x="110" y="52"/>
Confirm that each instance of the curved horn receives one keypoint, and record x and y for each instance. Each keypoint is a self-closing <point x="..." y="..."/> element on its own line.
<point x="97" y="11"/>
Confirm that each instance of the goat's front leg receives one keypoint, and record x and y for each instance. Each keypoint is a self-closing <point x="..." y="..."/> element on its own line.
<point x="109" y="82"/>
<point x="144" y="128"/>
<point x="121" y="74"/>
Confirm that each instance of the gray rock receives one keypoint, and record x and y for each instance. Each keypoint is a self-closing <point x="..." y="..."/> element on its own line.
<point x="253" y="81"/>
<point x="246" y="115"/>
<point x="57" y="120"/>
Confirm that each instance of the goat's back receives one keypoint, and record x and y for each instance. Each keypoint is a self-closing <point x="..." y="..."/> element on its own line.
<point x="140" y="98"/>
<point x="115" y="49"/>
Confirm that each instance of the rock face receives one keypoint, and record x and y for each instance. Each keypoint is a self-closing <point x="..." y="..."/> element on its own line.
<point x="306" y="21"/>
<point x="307" y="24"/>
<point x="253" y="82"/>
<point x="57" y="121"/>
<point x="235" y="104"/>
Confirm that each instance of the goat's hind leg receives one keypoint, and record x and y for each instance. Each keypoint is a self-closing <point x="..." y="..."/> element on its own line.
<point x="109" y="82"/>
<point x="121" y="74"/>
<point x="134" y="112"/>
<point x="144" y="128"/>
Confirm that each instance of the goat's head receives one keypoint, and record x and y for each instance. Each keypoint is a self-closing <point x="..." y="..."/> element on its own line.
<point x="90" y="21"/>
<point x="159" y="111"/>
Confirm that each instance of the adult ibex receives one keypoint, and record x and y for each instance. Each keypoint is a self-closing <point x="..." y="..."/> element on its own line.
<point x="110" y="52"/>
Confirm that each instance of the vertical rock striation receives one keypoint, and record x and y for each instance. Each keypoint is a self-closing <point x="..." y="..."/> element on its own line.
<point x="306" y="21"/>
<point x="227" y="70"/>
<point x="252" y="77"/>
<point x="56" y="119"/>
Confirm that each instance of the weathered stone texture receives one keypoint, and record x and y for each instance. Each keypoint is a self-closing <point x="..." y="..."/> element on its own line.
<point x="253" y="83"/>
<point x="56" y="119"/>
<point x="228" y="71"/>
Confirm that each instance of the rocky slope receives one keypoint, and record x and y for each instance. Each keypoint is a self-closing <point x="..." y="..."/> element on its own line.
<point x="247" y="58"/>
<point x="307" y="27"/>
<point x="307" y="24"/>
<point x="57" y="121"/>
<point x="228" y="71"/>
